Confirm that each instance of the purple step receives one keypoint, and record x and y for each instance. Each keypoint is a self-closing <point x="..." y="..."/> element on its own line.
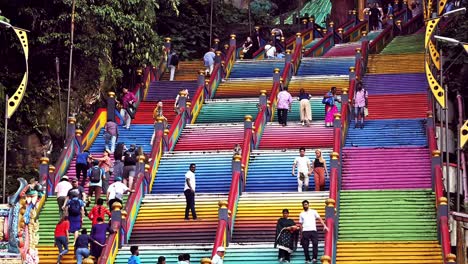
<point x="409" y="83"/>
<point x="163" y="90"/>
<point x="391" y="168"/>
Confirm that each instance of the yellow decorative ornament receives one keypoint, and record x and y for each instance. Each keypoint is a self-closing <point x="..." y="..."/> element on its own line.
<point x="15" y="100"/>
<point x="436" y="88"/>
<point x="464" y="134"/>
<point x="442" y="4"/>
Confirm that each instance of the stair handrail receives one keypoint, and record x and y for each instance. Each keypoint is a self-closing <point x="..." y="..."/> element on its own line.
<point x="355" y="33"/>
<point x="412" y="25"/>
<point x="441" y="201"/>
<point x="321" y="47"/>
<point x="379" y="43"/>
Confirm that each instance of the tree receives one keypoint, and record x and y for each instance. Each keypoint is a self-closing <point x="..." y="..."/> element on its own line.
<point x="112" y="39"/>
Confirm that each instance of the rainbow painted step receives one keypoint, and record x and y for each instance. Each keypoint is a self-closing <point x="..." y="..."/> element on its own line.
<point x="241" y="88"/>
<point x="388" y="133"/>
<point x="263" y="254"/>
<point x="270" y="171"/>
<point x="210" y="137"/>
<point x="379" y="216"/>
<point x="213" y="174"/>
<point x="325" y="66"/>
<point x="317" y="85"/>
<point x="392" y="168"/>
<point x="410" y="252"/>
<point x="150" y="254"/>
<point x="405" y="44"/>
<point x="255" y="68"/>
<point x="294" y="136"/>
<point x="258" y="213"/>
<point x="164" y="216"/>
<point x="228" y="110"/>
<point x="396" y="63"/>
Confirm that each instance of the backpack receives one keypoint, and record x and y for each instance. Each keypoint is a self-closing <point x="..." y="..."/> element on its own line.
<point x="130" y="158"/>
<point x="74" y="209"/>
<point x="96" y="174"/>
<point x="174" y="60"/>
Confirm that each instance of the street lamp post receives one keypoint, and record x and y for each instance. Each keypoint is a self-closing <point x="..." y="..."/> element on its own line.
<point x="72" y="30"/>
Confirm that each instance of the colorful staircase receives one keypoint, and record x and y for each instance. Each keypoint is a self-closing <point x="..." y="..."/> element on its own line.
<point x="255" y="227"/>
<point x="349" y="49"/>
<point x="325" y="66"/>
<point x="186" y="71"/>
<point x="255" y="68"/>
<point x="161" y="221"/>
<point x="387" y="209"/>
<point x="165" y="91"/>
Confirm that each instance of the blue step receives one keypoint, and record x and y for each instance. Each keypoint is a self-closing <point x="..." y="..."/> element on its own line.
<point x="151" y="254"/>
<point x="140" y="135"/>
<point x="255" y="68"/>
<point x="264" y="254"/>
<point x="213" y="173"/>
<point x="270" y="171"/>
<point x="388" y="133"/>
<point x="325" y="66"/>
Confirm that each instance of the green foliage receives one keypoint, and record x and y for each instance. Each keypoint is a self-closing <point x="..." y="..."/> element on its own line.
<point x="112" y="38"/>
<point x="262" y="11"/>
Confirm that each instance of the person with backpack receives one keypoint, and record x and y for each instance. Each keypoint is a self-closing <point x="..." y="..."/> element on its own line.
<point x="95" y="174"/>
<point x="75" y="212"/>
<point x="130" y="160"/>
<point x="172" y="63"/>
<point x="330" y="107"/>
<point x="360" y="104"/>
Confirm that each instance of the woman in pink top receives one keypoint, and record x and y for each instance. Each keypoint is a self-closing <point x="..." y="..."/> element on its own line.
<point x="106" y="164"/>
<point x="359" y="102"/>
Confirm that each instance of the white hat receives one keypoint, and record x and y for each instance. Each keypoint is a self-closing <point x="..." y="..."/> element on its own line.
<point x="220" y="249"/>
<point x="64" y="177"/>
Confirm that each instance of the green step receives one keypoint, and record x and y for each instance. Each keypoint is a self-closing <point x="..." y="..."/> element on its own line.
<point x="227" y="111"/>
<point x="387" y="216"/>
<point x="49" y="217"/>
<point x="405" y="44"/>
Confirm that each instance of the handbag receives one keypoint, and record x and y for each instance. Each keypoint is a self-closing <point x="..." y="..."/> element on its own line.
<point x="366" y="111"/>
<point x="301" y="176"/>
<point x="244" y="50"/>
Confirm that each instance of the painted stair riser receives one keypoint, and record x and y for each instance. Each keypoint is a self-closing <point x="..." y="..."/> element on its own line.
<point x="164" y="90"/>
<point x="387" y="216"/>
<point x="390" y="106"/>
<point x="145" y="112"/>
<point x="398" y="84"/>
<point x="255" y="69"/>
<point x="213" y="173"/>
<point x="227" y="112"/>
<point x="271" y="172"/>
<point x="388" y="133"/>
<point x="195" y="138"/>
<point x="388" y="64"/>
<point x="165" y="218"/>
<point x="405" y="45"/>
<point x="295" y="136"/>
<point x="326" y="66"/>
<point x="140" y="135"/>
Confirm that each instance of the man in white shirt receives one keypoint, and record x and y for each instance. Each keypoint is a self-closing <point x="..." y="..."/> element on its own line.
<point x="61" y="191"/>
<point x="116" y="191"/>
<point x="270" y="50"/>
<point x="218" y="258"/>
<point x="304" y="169"/>
<point x="309" y="231"/>
<point x="189" y="192"/>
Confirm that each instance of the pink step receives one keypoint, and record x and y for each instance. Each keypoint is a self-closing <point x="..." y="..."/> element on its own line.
<point x="391" y="168"/>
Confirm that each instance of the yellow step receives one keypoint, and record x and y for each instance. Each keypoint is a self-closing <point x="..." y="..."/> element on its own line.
<point x="388" y="64"/>
<point x="417" y="252"/>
